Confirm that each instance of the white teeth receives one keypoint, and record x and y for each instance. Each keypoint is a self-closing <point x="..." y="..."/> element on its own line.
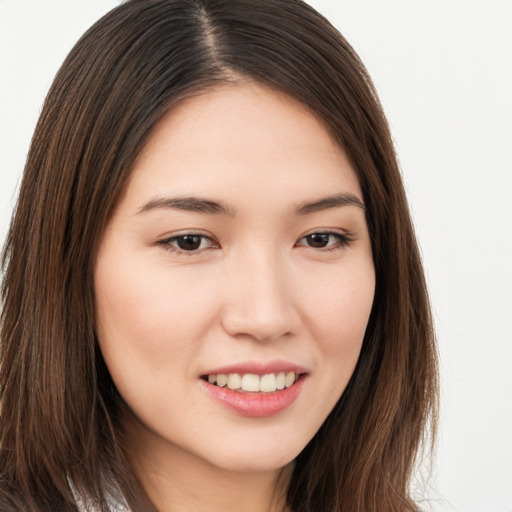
<point x="268" y="383"/>
<point x="234" y="381"/>
<point x="280" y="380"/>
<point x="250" y="382"/>
<point x="222" y="380"/>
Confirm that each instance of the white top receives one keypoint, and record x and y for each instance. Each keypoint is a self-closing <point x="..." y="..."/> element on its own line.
<point x="113" y="504"/>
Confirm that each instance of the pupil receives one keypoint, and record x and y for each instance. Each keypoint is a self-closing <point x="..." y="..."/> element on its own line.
<point x="318" y="240"/>
<point x="189" y="242"/>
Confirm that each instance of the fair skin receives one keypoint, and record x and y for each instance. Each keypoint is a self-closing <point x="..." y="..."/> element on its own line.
<point x="239" y="246"/>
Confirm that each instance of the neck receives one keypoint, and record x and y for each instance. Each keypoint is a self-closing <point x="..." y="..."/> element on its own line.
<point x="178" y="481"/>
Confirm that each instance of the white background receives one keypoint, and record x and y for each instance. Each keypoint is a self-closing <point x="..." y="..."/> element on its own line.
<point x="443" y="70"/>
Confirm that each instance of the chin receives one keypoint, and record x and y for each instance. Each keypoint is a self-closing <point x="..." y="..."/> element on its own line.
<point x="256" y="458"/>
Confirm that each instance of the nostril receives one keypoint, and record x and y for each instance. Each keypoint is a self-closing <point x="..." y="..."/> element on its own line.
<point x="263" y="326"/>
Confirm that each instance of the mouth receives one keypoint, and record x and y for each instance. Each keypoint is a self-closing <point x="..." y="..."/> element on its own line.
<point x="252" y="394"/>
<point x="253" y="383"/>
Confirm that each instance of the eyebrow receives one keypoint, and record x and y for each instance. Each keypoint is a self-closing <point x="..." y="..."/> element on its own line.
<point x="334" y="201"/>
<point x="188" y="204"/>
<point x="207" y="206"/>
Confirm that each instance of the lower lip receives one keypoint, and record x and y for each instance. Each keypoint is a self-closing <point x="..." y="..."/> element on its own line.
<point x="256" y="405"/>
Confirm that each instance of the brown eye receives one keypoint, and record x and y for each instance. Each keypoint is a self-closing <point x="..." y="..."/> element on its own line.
<point x="324" y="240"/>
<point x="189" y="242"/>
<point x="318" y="240"/>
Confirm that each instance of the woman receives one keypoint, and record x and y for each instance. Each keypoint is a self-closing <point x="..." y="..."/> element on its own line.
<point x="213" y="296"/>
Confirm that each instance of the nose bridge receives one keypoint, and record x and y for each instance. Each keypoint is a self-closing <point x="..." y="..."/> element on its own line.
<point x="260" y="303"/>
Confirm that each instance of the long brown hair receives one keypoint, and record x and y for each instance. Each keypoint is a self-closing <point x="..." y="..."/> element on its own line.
<point x="59" y="419"/>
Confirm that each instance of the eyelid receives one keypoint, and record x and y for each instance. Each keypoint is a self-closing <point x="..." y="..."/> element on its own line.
<point x="344" y="238"/>
<point x="166" y="243"/>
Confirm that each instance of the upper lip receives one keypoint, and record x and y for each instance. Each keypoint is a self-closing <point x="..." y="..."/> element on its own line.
<point x="258" y="368"/>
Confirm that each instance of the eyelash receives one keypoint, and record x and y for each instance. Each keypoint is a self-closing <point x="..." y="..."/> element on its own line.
<point x="342" y="240"/>
<point x="167" y="244"/>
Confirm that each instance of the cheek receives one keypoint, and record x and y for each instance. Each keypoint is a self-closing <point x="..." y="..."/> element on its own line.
<point x="340" y="307"/>
<point x="149" y="315"/>
<point x="338" y="316"/>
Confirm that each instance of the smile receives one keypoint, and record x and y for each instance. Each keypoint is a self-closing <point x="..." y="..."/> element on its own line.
<point x="252" y="383"/>
<point x="255" y="390"/>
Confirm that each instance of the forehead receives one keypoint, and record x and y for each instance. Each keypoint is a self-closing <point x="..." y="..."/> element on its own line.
<point x="241" y="138"/>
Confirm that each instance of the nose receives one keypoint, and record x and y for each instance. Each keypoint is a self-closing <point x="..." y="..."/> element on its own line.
<point x="260" y="301"/>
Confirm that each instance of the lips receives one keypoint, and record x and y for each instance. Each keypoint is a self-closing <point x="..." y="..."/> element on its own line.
<point x="254" y="389"/>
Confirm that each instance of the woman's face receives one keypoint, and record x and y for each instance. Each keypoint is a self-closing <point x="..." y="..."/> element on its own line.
<point x="238" y="253"/>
